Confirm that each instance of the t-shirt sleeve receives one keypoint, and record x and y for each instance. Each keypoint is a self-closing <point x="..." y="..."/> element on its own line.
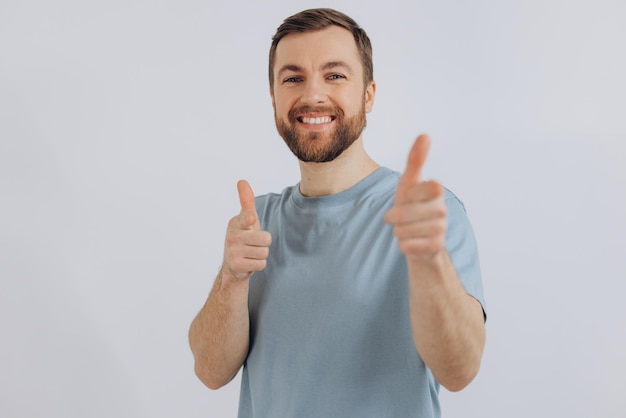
<point x="463" y="250"/>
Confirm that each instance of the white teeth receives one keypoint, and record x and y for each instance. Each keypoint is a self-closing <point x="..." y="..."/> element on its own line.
<point x="317" y="121"/>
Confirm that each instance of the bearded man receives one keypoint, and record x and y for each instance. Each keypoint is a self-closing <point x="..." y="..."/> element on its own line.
<point x="356" y="292"/>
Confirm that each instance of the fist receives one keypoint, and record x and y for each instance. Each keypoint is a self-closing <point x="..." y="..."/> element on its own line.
<point x="247" y="246"/>
<point x="418" y="215"/>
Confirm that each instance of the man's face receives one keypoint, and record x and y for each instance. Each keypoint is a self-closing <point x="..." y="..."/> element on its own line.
<point x="318" y="96"/>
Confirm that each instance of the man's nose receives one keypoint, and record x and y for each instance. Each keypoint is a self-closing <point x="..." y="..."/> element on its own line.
<point x="314" y="92"/>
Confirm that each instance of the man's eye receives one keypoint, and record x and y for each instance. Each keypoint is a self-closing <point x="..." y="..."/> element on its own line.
<point x="336" y="76"/>
<point x="292" y="80"/>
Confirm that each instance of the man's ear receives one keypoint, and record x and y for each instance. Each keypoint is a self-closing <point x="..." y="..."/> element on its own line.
<point x="272" y="97"/>
<point x="370" y="93"/>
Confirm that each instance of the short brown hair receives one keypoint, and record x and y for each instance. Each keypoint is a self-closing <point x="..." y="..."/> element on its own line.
<point x="317" y="19"/>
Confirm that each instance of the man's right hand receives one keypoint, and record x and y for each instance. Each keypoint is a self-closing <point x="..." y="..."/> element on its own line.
<point x="247" y="245"/>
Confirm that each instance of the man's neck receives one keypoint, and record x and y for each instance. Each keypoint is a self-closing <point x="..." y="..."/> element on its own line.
<point x="322" y="179"/>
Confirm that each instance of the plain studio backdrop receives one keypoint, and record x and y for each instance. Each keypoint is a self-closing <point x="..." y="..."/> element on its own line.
<point x="125" y="125"/>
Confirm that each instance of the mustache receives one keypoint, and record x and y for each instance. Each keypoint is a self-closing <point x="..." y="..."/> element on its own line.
<point x="329" y="110"/>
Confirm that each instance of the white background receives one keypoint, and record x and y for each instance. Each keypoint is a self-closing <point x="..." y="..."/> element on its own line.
<point x="124" y="126"/>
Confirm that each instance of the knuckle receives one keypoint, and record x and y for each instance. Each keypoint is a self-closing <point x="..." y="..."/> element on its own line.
<point x="266" y="238"/>
<point x="404" y="246"/>
<point x="237" y="265"/>
<point x="261" y="264"/>
<point x="234" y="222"/>
<point x="230" y="239"/>
<point x="441" y="212"/>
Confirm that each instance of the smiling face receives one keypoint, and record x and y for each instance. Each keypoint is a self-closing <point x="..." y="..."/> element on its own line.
<point x="318" y="94"/>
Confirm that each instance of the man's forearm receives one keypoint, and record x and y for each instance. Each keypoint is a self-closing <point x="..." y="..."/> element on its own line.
<point x="219" y="334"/>
<point x="448" y="324"/>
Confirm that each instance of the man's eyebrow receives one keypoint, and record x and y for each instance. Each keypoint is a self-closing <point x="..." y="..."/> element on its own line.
<point x="288" y="67"/>
<point x="334" y="64"/>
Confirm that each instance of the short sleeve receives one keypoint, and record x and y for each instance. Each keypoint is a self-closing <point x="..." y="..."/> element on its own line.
<point x="462" y="248"/>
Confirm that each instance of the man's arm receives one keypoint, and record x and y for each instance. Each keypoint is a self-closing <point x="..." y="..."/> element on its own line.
<point x="219" y="335"/>
<point x="448" y="324"/>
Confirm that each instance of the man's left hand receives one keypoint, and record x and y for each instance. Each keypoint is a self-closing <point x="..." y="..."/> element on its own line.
<point x="418" y="215"/>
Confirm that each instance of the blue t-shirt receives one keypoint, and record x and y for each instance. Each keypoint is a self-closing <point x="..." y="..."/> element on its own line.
<point x="330" y="331"/>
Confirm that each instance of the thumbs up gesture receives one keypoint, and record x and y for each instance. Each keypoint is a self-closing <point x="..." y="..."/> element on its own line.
<point x="418" y="215"/>
<point x="247" y="246"/>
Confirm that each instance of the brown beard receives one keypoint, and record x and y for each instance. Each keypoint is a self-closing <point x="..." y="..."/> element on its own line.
<point x="310" y="146"/>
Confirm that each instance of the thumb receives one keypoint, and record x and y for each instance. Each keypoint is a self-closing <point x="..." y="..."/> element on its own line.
<point x="248" y="218"/>
<point x="413" y="172"/>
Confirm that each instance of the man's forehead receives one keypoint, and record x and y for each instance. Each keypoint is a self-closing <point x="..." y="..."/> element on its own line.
<point x="331" y="44"/>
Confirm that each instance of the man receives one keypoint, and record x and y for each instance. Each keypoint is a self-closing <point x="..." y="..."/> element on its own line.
<point x="357" y="292"/>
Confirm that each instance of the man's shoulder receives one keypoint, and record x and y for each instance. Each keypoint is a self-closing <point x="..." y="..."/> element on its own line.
<point x="270" y="202"/>
<point x="276" y="196"/>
